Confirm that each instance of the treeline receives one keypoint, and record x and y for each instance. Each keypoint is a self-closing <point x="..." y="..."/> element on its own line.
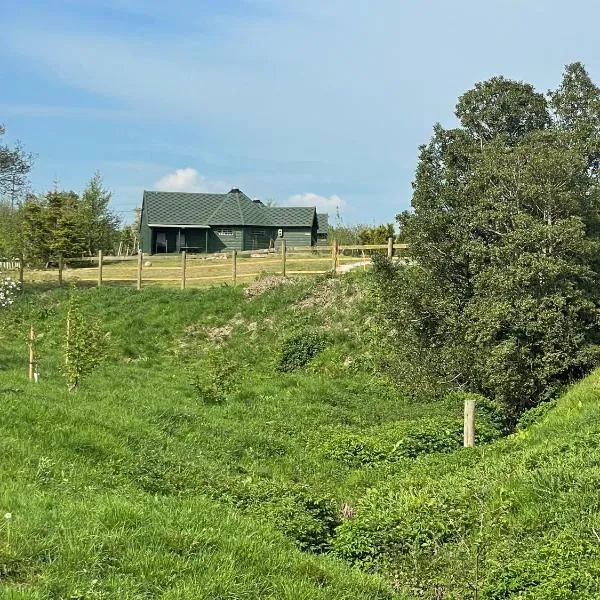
<point x="362" y="234"/>
<point x="503" y="299"/>
<point x="58" y="223"/>
<point x="61" y="223"/>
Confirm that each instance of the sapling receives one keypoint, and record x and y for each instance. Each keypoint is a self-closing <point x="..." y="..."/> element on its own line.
<point x="84" y="343"/>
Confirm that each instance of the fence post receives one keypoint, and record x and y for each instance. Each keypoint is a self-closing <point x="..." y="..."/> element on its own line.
<point x="60" y="270"/>
<point x="99" y="268"/>
<point x="283" y="256"/>
<point x="139" y="270"/>
<point x="469" y="426"/>
<point x="183" y="265"/>
<point x="21" y="271"/>
<point x="390" y="247"/>
<point x="31" y="353"/>
<point x="234" y="266"/>
<point x="334" y="256"/>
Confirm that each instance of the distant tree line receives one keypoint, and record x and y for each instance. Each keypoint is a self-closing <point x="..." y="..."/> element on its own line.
<point x="40" y="228"/>
<point x="362" y="234"/>
<point x="503" y="298"/>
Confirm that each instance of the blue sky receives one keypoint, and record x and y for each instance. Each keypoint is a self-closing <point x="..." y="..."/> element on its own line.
<point x="312" y="101"/>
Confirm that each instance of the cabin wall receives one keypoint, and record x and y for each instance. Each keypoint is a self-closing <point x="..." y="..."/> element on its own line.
<point x="296" y="236"/>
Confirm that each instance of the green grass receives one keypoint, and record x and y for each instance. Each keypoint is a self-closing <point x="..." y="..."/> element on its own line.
<point x="188" y="466"/>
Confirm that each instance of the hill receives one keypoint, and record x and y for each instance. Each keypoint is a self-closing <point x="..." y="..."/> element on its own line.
<point x="237" y="445"/>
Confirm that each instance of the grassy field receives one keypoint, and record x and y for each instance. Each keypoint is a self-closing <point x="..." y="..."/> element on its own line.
<point x="235" y="447"/>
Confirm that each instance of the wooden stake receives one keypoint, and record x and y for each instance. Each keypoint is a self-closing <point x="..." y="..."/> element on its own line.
<point x="469" y="426"/>
<point x="334" y="256"/>
<point x="390" y="247"/>
<point x="99" y="268"/>
<point x="31" y="354"/>
<point x="139" y="270"/>
<point x="183" y="265"/>
<point x="283" y="256"/>
<point x="60" y="270"/>
<point x="21" y="271"/>
<point x="234" y="266"/>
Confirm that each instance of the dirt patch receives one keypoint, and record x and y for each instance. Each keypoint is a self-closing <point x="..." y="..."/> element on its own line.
<point x="219" y="334"/>
<point x="260" y="286"/>
<point x="321" y="297"/>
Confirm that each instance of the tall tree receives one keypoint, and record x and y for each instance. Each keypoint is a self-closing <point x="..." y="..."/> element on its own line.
<point x="15" y="165"/>
<point x="503" y="299"/>
<point x="101" y="226"/>
<point x="502" y="107"/>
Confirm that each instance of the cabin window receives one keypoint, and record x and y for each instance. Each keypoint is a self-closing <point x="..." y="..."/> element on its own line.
<point x="224" y="231"/>
<point x="259" y="232"/>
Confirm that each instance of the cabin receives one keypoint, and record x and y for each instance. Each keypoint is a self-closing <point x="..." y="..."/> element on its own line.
<point x="175" y="221"/>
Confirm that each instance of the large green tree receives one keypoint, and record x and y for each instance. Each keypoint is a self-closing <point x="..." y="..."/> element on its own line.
<point x="503" y="296"/>
<point x="15" y="165"/>
<point x="101" y="225"/>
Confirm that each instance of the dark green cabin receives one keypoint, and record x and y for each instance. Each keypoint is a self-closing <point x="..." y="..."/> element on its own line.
<point x="176" y="221"/>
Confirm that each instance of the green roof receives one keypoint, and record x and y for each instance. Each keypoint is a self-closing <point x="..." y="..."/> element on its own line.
<point x="233" y="208"/>
<point x="323" y="223"/>
<point x="291" y="216"/>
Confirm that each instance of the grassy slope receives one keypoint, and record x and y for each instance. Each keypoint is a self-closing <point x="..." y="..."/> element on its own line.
<point x="133" y="487"/>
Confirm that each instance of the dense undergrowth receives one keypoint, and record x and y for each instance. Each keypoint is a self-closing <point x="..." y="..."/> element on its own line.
<point x="250" y="448"/>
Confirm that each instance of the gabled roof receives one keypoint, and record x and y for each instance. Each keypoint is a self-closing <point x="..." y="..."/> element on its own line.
<point x="291" y="216"/>
<point x="233" y="208"/>
<point x="323" y="223"/>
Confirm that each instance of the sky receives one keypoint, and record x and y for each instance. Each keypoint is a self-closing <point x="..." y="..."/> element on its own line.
<point x="312" y="102"/>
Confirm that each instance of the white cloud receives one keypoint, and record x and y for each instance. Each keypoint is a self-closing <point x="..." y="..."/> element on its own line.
<point x="326" y="204"/>
<point x="189" y="180"/>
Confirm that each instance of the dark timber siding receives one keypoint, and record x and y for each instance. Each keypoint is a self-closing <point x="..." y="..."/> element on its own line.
<point x="218" y="242"/>
<point x="145" y="233"/>
<point x="258" y="238"/>
<point x="296" y="236"/>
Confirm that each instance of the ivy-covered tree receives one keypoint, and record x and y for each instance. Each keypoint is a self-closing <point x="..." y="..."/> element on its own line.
<point x="503" y="297"/>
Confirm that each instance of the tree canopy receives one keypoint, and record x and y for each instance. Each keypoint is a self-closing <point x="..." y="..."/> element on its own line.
<point x="503" y="297"/>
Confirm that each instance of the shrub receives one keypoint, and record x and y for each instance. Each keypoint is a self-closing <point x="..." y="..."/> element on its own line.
<point x="299" y="349"/>
<point x="8" y="291"/>
<point x="84" y="343"/>
<point x="215" y="381"/>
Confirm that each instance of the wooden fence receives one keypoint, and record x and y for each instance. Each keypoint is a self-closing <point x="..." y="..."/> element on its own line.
<point x="185" y="270"/>
<point x="10" y="264"/>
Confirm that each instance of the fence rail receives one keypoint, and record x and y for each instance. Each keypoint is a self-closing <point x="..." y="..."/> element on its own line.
<point x="195" y="269"/>
<point x="10" y="265"/>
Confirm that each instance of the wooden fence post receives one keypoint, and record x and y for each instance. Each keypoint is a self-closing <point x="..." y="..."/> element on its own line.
<point x="469" y="426"/>
<point x="183" y="265"/>
<point x="139" y="270"/>
<point x="99" y="268"/>
<point x="31" y="353"/>
<point x="334" y="256"/>
<point x="60" y="270"/>
<point x="234" y="266"/>
<point x="390" y="247"/>
<point x="21" y="271"/>
<point x="283" y="256"/>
